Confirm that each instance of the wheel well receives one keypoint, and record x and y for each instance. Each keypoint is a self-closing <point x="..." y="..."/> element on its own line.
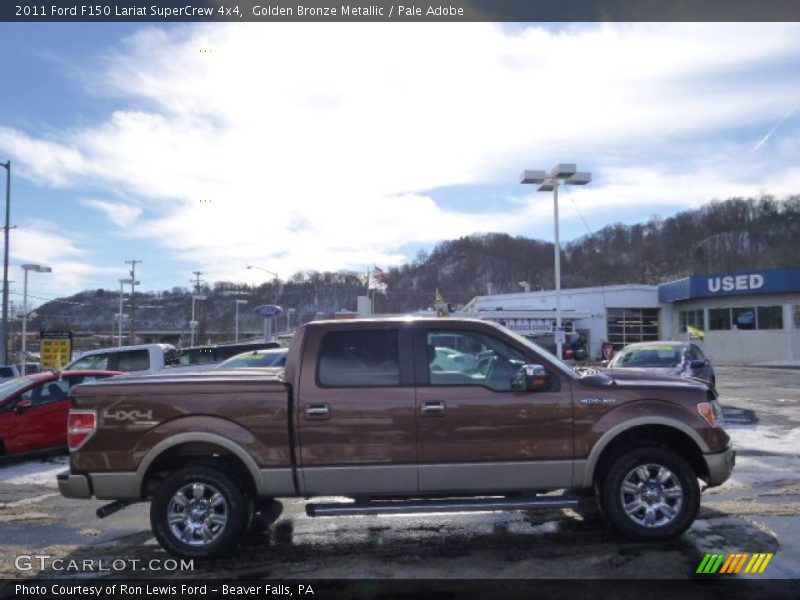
<point x="196" y="453"/>
<point x="2" y="448"/>
<point x="652" y="435"/>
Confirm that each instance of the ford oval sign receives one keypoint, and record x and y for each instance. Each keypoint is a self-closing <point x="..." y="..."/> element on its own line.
<point x="268" y="310"/>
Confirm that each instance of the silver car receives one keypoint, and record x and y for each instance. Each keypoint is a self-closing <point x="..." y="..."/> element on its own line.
<point x="682" y="359"/>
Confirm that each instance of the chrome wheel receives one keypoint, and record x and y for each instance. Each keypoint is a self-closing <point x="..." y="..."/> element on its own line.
<point x="651" y="495"/>
<point x="197" y="514"/>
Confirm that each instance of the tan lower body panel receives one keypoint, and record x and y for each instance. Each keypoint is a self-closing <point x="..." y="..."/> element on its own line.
<point x="496" y="476"/>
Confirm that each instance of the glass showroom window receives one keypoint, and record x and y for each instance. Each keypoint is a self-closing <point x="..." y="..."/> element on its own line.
<point x="744" y="318"/>
<point x="692" y="318"/>
<point x="719" y="318"/>
<point x="770" y="317"/>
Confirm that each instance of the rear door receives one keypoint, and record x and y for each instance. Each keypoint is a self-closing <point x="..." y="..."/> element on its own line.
<point x="474" y="432"/>
<point x="355" y="412"/>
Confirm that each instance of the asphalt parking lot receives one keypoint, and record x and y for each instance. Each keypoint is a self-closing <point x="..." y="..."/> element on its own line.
<point x="756" y="511"/>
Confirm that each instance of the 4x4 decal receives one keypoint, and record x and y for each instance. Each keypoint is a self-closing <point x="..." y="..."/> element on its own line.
<point x="127" y="415"/>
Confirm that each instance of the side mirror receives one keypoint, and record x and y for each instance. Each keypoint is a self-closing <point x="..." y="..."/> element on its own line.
<point x="697" y="364"/>
<point x="531" y="378"/>
<point x="23" y="405"/>
<point x="604" y="363"/>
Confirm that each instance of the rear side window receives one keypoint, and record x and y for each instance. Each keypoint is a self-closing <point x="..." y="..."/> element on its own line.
<point x="133" y="360"/>
<point x="359" y="359"/>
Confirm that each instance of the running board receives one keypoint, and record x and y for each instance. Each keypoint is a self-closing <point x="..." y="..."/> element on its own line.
<point x="403" y="507"/>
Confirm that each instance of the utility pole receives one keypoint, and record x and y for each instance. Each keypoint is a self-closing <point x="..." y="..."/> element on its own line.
<point x="132" y="333"/>
<point x="4" y="333"/>
<point x="195" y="297"/>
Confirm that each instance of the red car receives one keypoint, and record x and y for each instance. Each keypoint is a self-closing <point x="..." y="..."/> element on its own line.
<point x="34" y="409"/>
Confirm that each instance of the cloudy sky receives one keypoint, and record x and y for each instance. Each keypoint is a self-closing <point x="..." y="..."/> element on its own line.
<point x="338" y="146"/>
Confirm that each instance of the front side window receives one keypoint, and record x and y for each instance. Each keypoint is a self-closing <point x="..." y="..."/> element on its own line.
<point x="93" y="362"/>
<point x="49" y="392"/>
<point x="359" y="359"/>
<point x="471" y="358"/>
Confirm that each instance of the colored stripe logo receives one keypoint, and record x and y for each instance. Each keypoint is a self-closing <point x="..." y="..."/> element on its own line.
<point x="734" y="563"/>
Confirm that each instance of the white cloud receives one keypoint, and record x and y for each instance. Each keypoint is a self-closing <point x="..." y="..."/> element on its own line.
<point x="40" y="242"/>
<point x="299" y="146"/>
<point x="119" y="213"/>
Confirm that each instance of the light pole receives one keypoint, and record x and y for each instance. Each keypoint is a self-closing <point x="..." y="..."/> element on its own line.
<point x="268" y="327"/>
<point x="4" y="333"/>
<point x="275" y="275"/>
<point x="123" y="282"/>
<point x="567" y="174"/>
<point x="237" y="303"/>
<point x="193" y="322"/>
<point x="36" y="269"/>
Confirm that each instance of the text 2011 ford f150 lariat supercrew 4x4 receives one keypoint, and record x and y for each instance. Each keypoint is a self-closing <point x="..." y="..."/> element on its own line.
<point x="360" y="412"/>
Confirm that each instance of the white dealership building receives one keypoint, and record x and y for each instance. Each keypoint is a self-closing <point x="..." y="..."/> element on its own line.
<point x="747" y="317"/>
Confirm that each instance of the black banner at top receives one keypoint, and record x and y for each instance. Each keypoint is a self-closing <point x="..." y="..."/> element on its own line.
<point x="411" y="11"/>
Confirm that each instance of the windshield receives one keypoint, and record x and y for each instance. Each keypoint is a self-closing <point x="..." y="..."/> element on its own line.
<point x="648" y="357"/>
<point x="12" y="386"/>
<point x="254" y="359"/>
<point x="561" y="365"/>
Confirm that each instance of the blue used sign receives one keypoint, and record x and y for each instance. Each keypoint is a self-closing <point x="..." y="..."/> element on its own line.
<point x="762" y="281"/>
<point x="268" y="310"/>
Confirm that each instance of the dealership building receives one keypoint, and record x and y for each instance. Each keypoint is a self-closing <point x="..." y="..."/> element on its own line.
<point x="748" y="317"/>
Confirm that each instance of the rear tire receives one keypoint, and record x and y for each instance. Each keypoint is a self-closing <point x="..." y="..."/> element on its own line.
<point x="650" y="493"/>
<point x="199" y="512"/>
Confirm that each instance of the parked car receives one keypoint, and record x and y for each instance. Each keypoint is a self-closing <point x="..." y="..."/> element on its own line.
<point x="270" y="357"/>
<point x="205" y="357"/>
<point x="8" y="372"/>
<point x="34" y="409"/>
<point x="360" y="413"/>
<point x="683" y="359"/>
<point x="142" y="358"/>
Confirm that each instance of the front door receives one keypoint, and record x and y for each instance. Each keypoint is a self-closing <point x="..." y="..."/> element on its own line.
<point x="474" y="432"/>
<point x="355" y="413"/>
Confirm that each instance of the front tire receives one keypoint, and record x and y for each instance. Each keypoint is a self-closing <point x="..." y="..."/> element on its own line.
<point x="199" y="512"/>
<point x="650" y="493"/>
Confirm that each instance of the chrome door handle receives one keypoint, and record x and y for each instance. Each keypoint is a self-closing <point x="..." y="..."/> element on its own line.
<point x="318" y="411"/>
<point x="433" y="408"/>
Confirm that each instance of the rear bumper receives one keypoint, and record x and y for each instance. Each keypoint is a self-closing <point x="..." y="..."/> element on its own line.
<point x="74" y="486"/>
<point x="720" y="465"/>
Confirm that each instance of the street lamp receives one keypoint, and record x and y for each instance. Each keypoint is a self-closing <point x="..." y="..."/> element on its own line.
<point x="238" y="302"/>
<point x="35" y="269"/>
<point x="4" y="333"/>
<point x="193" y="322"/>
<point x="567" y="174"/>
<point x="275" y="275"/>
<point x="123" y="282"/>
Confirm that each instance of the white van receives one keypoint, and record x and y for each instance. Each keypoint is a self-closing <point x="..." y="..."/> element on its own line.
<point x="143" y="358"/>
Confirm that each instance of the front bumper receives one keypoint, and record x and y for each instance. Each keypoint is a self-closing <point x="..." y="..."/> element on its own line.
<point x="720" y="465"/>
<point x="74" y="486"/>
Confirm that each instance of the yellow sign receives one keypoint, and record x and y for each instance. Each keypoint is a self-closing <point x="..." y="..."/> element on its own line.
<point x="55" y="354"/>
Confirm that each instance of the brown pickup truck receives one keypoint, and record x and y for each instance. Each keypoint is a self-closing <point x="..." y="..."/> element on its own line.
<point x="400" y="416"/>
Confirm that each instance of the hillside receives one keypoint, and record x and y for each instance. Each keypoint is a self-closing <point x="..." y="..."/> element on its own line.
<point x="723" y="235"/>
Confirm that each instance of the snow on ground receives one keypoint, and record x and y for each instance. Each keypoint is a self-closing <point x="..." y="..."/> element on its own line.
<point x="766" y="439"/>
<point x="34" y="472"/>
<point x="780" y="460"/>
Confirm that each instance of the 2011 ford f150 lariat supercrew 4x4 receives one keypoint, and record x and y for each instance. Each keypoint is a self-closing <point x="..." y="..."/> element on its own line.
<point x="401" y="416"/>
